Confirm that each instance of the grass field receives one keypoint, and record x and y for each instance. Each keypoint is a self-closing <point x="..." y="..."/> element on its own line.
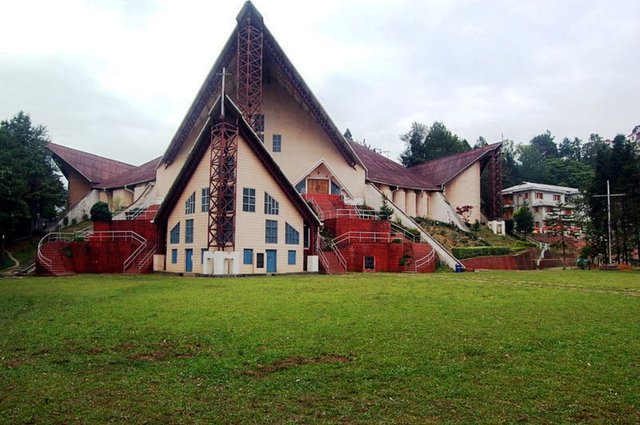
<point x="487" y="347"/>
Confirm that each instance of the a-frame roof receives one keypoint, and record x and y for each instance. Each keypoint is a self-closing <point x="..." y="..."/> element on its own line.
<point x="271" y="47"/>
<point x="442" y="170"/>
<point x="253" y="140"/>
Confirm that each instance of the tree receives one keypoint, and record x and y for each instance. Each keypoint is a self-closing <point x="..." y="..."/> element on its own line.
<point x="100" y="212"/>
<point x="544" y="144"/>
<point x="560" y="223"/>
<point x="523" y="219"/>
<point x="427" y="143"/>
<point x="30" y="187"/>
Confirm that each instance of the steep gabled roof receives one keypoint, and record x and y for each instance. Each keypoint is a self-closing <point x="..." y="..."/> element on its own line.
<point x="442" y="170"/>
<point x="141" y="174"/>
<point x="253" y="140"/>
<point x="381" y="169"/>
<point x="96" y="169"/>
<point x="211" y="83"/>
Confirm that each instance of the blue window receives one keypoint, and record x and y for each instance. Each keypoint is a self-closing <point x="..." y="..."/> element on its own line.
<point x="204" y="199"/>
<point x="271" y="231"/>
<point x="271" y="206"/>
<point x="301" y="187"/>
<point x="248" y="256"/>
<point x="291" y="235"/>
<point x="202" y="251"/>
<point x="277" y="143"/>
<point x="292" y="258"/>
<point x="188" y="231"/>
<point x="175" y="234"/>
<point x="190" y="204"/>
<point x="174" y="256"/>
<point x="248" y="199"/>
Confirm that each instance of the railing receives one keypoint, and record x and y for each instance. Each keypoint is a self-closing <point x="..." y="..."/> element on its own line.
<point x="140" y="264"/>
<point x="411" y="236"/>
<point x="425" y="260"/>
<point x="372" y="237"/>
<point x="60" y="236"/>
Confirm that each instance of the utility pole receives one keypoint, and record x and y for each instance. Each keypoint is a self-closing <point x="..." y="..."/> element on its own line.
<point x="609" y="195"/>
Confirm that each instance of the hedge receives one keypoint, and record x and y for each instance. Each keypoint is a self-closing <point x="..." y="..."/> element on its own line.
<point x="480" y="251"/>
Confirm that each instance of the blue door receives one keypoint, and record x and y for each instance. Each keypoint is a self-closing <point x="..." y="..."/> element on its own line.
<point x="271" y="261"/>
<point x="188" y="255"/>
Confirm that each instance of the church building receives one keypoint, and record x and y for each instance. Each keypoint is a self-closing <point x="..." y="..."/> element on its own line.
<point x="257" y="169"/>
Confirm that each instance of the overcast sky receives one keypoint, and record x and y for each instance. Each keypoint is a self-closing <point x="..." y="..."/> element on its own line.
<point x="115" y="77"/>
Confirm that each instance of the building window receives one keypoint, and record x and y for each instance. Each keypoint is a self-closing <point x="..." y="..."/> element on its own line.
<point x="291" y="258"/>
<point x="204" y="199"/>
<point x="556" y="198"/>
<point x="175" y="234"/>
<point x="188" y="231"/>
<point x="291" y="235"/>
<point x="202" y="251"/>
<point x="539" y="195"/>
<point x="248" y="199"/>
<point x="174" y="256"/>
<point x="248" y="256"/>
<point x="260" y="260"/>
<point x="190" y="204"/>
<point x="271" y="206"/>
<point x="271" y="231"/>
<point x="277" y="143"/>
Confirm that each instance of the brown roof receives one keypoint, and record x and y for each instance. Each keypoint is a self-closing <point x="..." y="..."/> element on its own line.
<point x="94" y="168"/>
<point x="141" y="174"/>
<point x="440" y="171"/>
<point x="381" y="169"/>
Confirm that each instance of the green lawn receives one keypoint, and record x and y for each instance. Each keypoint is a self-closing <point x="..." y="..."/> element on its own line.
<point x="488" y="347"/>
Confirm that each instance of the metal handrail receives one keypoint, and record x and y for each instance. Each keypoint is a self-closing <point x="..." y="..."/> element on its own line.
<point x="424" y="260"/>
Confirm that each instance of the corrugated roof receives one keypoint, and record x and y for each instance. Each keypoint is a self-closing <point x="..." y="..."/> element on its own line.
<point x="141" y="174"/>
<point x="381" y="169"/>
<point x="94" y="168"/>
<point x="440" y="171"/>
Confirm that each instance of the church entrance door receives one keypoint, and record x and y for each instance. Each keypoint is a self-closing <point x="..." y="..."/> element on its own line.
<point x="318" y="186"/>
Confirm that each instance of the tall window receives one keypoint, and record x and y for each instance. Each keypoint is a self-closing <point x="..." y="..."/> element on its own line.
<point x="271" y="231"/>
<point x="190" y="204"/>
<point x="248" y="256"/>
<point x="277" y="142"/>
<point x="271" y="206"/>
<point x="188" y="231"/>
<point x="248" y="199"/>
<point x="204" y="199"/>
<point x="291" y="235"/>
<point x="175" y="234"/>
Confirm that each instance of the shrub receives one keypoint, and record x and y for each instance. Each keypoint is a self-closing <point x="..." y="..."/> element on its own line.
<point x="100" y="212"/>
<point x="479" y="251"/>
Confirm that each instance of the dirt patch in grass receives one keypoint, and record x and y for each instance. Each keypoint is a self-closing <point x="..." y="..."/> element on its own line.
<point x="295" y="361"/>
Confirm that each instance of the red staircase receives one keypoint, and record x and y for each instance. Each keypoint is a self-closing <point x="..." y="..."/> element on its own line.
<point x="359" y="234"/>
<point x="59" y="264"/>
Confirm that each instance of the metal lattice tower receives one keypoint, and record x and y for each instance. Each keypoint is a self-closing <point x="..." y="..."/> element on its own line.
<point x="249" y="68"/>
<point x="495" y="182"/>
<point x="222" y="186"/>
